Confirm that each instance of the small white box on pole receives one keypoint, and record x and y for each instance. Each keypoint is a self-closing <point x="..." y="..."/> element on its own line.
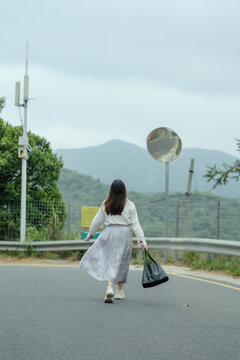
<point x="23" y="140"/>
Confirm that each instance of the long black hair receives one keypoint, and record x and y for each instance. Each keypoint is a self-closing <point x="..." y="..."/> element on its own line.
<point x="115" y="202"/>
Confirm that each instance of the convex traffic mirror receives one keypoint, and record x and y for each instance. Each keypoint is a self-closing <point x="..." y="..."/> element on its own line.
<point x="164" y="144"/>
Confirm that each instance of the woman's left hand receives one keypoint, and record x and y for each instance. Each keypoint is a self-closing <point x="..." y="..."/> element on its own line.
<point x="88" y="237"/>
<point x="144" y="246"/>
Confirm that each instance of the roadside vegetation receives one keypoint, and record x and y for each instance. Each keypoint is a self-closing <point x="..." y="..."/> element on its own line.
<point x="229" y="265"/>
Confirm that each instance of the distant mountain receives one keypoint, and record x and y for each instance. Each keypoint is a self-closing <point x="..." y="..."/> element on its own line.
<point x="140" y="172"/>
<point x="82" y="190"/>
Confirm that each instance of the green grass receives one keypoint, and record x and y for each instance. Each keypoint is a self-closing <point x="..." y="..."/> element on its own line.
<point x="230" y="264"/>
<point x="227" y="264"/>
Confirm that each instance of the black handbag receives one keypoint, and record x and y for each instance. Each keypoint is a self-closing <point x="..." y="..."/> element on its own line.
<point x="153" y="273"/>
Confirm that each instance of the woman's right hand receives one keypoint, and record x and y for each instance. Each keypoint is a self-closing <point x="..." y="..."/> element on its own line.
<point x="88" y="237"/>
<point x="144" y="246"/>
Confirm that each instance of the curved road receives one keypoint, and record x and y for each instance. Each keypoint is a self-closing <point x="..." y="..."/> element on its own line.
<point x="49" y="313"/>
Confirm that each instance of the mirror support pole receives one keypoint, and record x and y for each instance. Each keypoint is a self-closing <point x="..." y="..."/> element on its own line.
<point x="164" y="145"/>
<point x="166" y="207"/>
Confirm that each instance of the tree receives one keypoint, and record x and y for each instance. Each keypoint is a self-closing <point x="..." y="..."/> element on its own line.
<point x="43" y="170"/>
<point x="222" y="176"/>
<point x="2" y="103"/>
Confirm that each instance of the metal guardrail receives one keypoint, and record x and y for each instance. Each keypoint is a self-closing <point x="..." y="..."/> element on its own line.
<point x="211" y="246"/>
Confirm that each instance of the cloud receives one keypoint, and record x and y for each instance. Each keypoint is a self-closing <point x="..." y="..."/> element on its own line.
<point x="183" y="44"/>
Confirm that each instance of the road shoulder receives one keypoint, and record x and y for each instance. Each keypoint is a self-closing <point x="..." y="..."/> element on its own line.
<point x="169" y="268"/>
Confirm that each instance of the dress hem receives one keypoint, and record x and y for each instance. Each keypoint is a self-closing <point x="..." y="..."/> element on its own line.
<point x="98" y="278"/>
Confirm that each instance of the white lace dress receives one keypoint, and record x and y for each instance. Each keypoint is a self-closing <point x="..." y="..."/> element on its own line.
<point x="109" y="257"/>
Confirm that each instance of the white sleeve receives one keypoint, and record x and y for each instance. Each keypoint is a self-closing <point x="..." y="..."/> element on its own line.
<point x="135" y="225"/>
<point x="97" y="221"/>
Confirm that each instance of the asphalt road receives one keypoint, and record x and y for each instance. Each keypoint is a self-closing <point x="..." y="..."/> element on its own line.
<point x="49" y="313"/>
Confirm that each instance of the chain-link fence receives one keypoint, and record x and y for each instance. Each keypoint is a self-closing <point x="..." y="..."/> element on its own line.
<point x="203" y="218"/>
<point x="44" y="220"/>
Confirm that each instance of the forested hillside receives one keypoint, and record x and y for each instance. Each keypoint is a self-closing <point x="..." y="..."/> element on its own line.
<point x="82" y="190"/>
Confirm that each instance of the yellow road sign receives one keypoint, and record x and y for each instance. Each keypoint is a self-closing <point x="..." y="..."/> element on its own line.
<point x="88" y="213"/>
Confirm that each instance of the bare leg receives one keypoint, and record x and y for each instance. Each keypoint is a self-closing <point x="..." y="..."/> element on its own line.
<point x="120" y="285"/>
<point x="109" y="283"/>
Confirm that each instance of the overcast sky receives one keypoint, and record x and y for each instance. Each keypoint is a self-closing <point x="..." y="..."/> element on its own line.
<point x="102" y="70"/>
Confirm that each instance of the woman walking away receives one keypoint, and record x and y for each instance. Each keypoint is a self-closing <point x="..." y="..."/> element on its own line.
<point x="109" y="257"/>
